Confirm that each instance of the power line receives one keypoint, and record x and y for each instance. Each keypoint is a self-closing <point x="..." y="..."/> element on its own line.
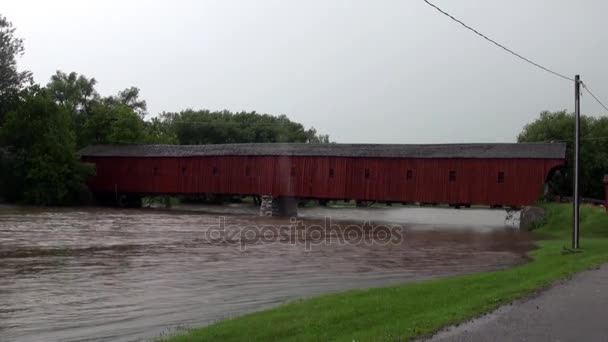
<point x="240" y="124"/>
<point x="571" y="140"/>
<point x="595" y="97"/>
<point x="498" y="44"/>
<point x="515" y="53"/>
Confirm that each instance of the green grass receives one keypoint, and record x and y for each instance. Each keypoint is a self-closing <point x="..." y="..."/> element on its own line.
<point x="414" y="310"/>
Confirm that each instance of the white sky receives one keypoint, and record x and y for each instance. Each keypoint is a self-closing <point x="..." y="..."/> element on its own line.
<point x="387" y="71"/>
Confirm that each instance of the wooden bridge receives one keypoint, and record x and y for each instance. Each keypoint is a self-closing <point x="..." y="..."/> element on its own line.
<point x="456" y="174"/>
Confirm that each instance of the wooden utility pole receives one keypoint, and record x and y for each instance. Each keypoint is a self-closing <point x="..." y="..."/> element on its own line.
<point x="577" y="149"/>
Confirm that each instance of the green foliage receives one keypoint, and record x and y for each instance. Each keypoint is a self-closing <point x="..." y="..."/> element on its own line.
<point x="159" y="132"/>
<point x="12" y="81"/>
<point x="224" y="127"/>
<point x="41" y="143"/>
<point x="113" y="124"/>
<point x="74" y="92"/>
<point x="100" y="120"/>
<point x="127" y="128"/>
<point x="10" y="184"/>
<point x="130" y="98"/>
<point x="11" y="47"/>
<point x="559" y="126"/>
<point x="120" y="119"/>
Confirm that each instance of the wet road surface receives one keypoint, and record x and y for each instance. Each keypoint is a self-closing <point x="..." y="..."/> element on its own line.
<point x="568" y="312"/>
<point x="99" y="274"/>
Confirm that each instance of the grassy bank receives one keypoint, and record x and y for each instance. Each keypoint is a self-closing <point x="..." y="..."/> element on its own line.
<point x="414" y="310"/>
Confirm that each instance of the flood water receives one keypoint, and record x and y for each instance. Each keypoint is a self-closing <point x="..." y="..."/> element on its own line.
<point x="97" y="274"/>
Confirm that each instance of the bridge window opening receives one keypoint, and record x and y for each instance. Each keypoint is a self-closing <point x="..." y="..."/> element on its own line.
<point x="183" y="171"/>
<point x="409" y="175"/>
<point x="292" y="173"/>
<point x="452" y="176"/>
<point x="247" y="171"/>
<point x="331" y="173"/>
<point x="501" y="177"/>
<point x="366" y="173"/>
<point x="215" y="171"/>
<point x="156" y="170"/>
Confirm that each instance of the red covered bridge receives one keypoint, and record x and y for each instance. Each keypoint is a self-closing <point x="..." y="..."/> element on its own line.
<point x="456" y="174"/>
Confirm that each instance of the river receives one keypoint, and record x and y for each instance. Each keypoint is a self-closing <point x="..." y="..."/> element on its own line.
<point x="100" y="274"/>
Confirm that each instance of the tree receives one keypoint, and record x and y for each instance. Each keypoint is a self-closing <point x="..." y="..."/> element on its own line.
<point x="114" y="124"/>
<point x="75" y="92"/>
<point x="559" y="126"/>
<point x="129" y="97"/>
<point x="206" y="127"/>
<point x="96" y="119"/>
<point x="315" y="138"/>
<point x="12" y="81"/>
<point x="43" y="168"/>
<point x="159" y="132"/>
<point x="127" y="128"/>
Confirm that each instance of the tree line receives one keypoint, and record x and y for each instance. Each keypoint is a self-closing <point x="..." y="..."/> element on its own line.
<point x="559" y="127"/>
<point x="43" y="126"/>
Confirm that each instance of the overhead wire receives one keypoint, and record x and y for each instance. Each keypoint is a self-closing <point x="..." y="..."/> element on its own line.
<point x="498" y="44"/>
<point x="594" y="97"/>
<point x="572" y="140"/>
<point x="240" y="124"/>
<point x="515" y="53"/>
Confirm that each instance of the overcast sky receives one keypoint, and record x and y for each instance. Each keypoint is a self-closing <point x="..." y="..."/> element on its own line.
<point x="386" y="71"/>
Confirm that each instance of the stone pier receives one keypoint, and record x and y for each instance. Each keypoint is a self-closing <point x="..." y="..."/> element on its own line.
<point x="279" y="206"/>
<point x="525" y="219"/>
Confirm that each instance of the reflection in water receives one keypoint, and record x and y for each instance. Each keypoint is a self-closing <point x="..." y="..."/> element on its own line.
<point x="104" y="274"/>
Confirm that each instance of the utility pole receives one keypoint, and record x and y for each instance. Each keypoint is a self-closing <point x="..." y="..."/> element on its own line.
<point x="577" y="149"/>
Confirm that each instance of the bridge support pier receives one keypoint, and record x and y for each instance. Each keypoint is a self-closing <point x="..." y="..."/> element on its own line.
<point x="279" y="206"/>
<point x="527" y="218"/>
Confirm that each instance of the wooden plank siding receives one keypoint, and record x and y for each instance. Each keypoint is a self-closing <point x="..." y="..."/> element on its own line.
<point x="474" y="181"/>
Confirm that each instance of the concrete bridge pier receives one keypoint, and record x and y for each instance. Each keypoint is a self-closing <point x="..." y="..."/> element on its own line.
<point x="526" y="218"/>
<point x="279" y="206"/>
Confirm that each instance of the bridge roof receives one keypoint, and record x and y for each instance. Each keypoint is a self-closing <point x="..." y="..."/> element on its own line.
<point x="487" y="151"/>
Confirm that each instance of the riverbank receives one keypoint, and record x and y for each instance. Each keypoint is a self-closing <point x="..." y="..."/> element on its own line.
<point x="420" y="309"/>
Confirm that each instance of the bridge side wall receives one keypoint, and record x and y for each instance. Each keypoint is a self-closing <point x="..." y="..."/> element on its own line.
<point x="513" y="182"/>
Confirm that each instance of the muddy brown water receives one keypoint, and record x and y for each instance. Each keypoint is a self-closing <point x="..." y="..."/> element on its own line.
<point x="100" y="274"/>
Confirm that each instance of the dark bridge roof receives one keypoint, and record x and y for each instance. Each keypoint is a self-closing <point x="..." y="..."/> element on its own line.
<point x="503" y="150"/>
